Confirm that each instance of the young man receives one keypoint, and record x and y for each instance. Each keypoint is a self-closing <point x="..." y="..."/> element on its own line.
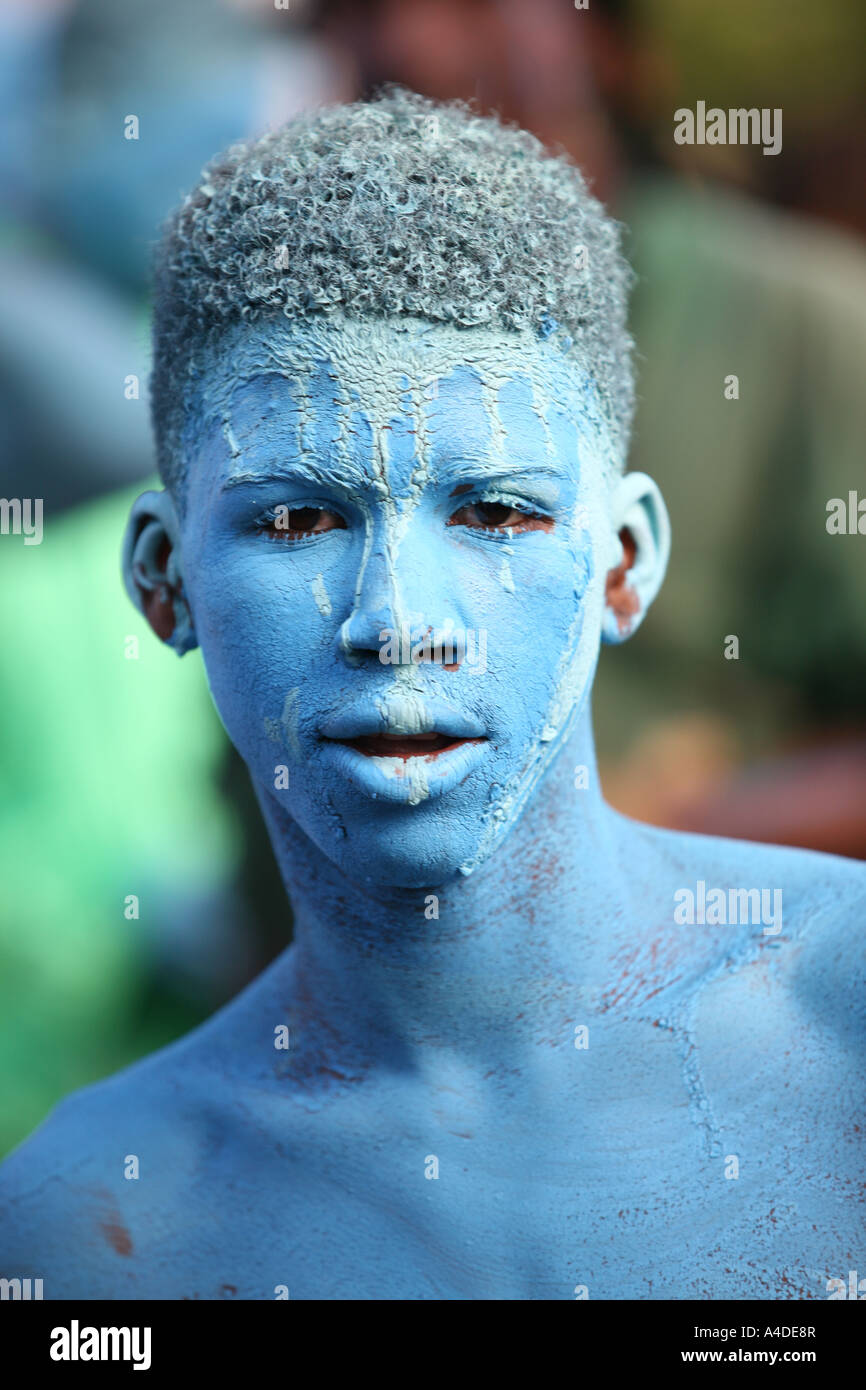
<point x="520" y="1047"/>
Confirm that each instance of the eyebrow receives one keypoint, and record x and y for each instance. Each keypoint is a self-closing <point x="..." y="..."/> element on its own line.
<point x="321" y="475"/>
<point x="464" y="472"/>
<point x="481" y="470"/>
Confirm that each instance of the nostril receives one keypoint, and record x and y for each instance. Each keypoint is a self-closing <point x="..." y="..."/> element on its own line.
<point x="364" y="632"/>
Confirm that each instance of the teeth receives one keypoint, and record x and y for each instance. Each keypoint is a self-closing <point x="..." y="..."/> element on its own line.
<point x="412" y="738"/>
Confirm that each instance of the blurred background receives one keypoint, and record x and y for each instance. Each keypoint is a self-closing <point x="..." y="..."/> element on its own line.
<point x="138" y="891"/>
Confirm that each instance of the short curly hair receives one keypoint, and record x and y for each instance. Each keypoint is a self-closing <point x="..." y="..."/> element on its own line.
<point x="394" y="206"/>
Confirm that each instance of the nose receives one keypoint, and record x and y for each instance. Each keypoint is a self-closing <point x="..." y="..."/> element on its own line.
<point x="376" y="609"/>
<point x="398" y="602"/>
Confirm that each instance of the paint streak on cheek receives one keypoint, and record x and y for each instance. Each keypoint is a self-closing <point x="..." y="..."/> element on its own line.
<point x="320" y="594"/>
<point x="289" y="722"/>
<point x="506" y="578"/>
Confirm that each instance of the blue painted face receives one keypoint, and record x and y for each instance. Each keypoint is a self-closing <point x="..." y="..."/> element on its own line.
<point x="394" y="547"/>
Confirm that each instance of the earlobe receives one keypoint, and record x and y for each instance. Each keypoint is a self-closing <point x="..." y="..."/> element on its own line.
<point x="640" y="520"/>
<point x="152" y="570"/>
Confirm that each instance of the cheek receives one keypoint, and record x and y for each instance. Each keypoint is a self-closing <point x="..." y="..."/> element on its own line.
<point x="553" y="580"/>
<point x="261" y="628"/>
<point x="540" y="610"/>
<point x="574" y="650"/>
<point x="253" y="597"/>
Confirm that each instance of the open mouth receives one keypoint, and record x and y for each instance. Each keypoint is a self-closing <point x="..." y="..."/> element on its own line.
<point x="428" y="745"/>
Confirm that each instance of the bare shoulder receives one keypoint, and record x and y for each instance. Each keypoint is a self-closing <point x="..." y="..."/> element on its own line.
<point x="812" y="915"/>
<point x="84" y="1197"/>
<point x="801" y="912"/>
<point x="827" y="964"/>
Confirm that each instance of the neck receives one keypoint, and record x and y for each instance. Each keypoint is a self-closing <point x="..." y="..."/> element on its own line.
<point x="492" y="960"/>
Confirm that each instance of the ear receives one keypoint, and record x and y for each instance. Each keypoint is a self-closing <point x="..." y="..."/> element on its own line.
<point x="642" y="541"/>
<point x="152" y="570"/>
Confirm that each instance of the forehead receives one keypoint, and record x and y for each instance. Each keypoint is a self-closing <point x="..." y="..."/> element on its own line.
<point x="402" y="395"/>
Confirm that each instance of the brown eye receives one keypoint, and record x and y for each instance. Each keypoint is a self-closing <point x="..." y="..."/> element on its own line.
<point x="293" y="523"/>
<point x="498" y="516"/>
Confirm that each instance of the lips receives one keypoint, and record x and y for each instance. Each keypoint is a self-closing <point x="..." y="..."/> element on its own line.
<point x="428" y="745"/>
<point x="407" y="721"/>
<point x="403" y="749"/>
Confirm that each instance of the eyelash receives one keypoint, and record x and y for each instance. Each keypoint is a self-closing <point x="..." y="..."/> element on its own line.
<point x="528" y="509"/>
<point x="266" y="522"/>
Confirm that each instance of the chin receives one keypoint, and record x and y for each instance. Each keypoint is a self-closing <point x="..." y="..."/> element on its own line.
<point x="420" y="847"/>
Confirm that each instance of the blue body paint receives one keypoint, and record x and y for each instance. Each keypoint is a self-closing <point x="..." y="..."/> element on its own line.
<point x="511" y="1072"/>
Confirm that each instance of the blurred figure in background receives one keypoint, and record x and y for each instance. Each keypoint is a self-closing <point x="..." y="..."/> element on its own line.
<point x="769" y="743"/>
<point x="125" y="916"/>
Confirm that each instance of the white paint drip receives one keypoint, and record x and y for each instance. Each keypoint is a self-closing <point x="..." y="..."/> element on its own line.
<point x="289" y="722"/>
<point x="320" y="594"/>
